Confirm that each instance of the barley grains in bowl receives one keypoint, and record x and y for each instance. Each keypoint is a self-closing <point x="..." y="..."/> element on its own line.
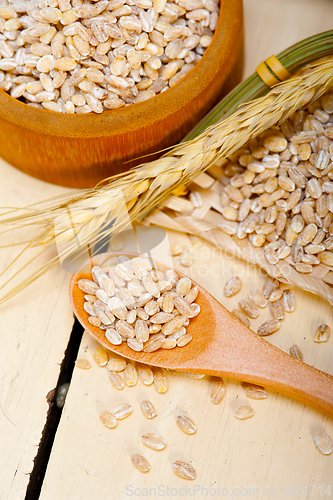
<point x="83" y="59"/>
<point x="75" y="57"/>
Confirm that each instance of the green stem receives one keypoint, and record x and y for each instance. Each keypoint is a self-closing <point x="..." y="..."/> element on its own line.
<point x="293" y="59"/>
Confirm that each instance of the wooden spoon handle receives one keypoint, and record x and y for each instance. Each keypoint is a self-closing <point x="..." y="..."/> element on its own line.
<point x="293" y="378"/>
<point x="244" y="355"/>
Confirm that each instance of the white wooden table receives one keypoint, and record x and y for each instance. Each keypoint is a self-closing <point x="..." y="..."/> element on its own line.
<point x="269" y="455"/>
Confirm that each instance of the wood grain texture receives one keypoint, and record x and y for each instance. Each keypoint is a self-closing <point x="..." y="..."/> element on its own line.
<point x="35" y="328"/>
<point x="81" y="150"/>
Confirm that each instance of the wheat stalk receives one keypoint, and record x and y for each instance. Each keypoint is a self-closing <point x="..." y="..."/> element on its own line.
<point x="73" y="221"/>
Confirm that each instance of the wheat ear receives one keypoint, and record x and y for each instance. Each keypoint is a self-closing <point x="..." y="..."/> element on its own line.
<point x="84" y="218"/>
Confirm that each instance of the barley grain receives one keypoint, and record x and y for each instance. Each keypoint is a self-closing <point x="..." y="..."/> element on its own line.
<point x="184" y="340"/>
<point x="145" y="374"/>
<point x="326" y="258"/>
<point x="324" y="443"/>
<point x="296" y="353"/>
<point x="148" y="409"/>
<point x="117" y="307"/>
<point x="183" y="286"/>
<point x="113" y="336"/>
<point x="241" y="317"/>
<point x="276" y="310"/>
<point x="141" y="331"/>
<point x="160" y="381"/>
<point x="186" y="424"/>
<point x="84" y="364"/>
<point x="161" y="317"/>
<point x="276" y="295"/>
<point x="154" y="344"/>
<point x="89" y="308"/>
<point x="154" y="441"/>
<point x="288" y="301"/>
<point x="218" y="391"/>
<point x="168" y="303"/>
<point x="186" y="259"/>
<point x="173" y="325"/>
<point x="131" y="317"/>
<point x="258" y="298"/>
<point x="192" y="294"/>
<point x="232" y="286"/>
<point x="249" y="308"/>
<point x="108" y="419"/>
<point x="184" y="470"/>
<point x="169" y="343"/>
<point x="271" y="256"/>
<point x="116" y="380"/>
<point x="143" y="300"/>
<point x="155" y="328"/>
<point x="116" y="364"/>
<point x="122" y="411"/>
<point x="254" y="391"/>
<point x="304" y="268"/>
<point x="87" y="286"/>
<point x="130" y="375"/>
<point x="93" y="320"/>
<point x="100" y="356"/>
<point x="268" y="327"/>
<point x="140" y="462"/>
<point x="177" y="334"/>
<point x="322" y="333"/>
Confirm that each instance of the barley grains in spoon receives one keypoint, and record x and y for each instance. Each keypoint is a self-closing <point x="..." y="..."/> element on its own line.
<point x="222" y="346"/>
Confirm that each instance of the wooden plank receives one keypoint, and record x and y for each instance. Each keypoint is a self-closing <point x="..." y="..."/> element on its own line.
<point x="35" y="329"/>
<point x="274" y="451"/>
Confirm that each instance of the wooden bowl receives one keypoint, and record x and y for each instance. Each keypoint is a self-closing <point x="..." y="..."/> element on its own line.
<point x="81" y="150"/>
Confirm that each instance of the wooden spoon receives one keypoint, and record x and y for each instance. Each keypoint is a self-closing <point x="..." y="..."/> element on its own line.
<point x="221" y="346"/>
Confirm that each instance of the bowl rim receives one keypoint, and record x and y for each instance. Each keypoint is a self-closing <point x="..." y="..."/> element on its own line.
<point x="142" y="114"/>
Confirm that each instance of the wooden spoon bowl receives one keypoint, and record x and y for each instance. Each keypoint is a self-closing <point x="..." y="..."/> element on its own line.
<point x="221" y="346"/>
<point x="81" y="150"/>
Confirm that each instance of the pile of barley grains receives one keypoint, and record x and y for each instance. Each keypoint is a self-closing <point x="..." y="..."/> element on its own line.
<point x="80" y="57"/>
<point x="275" y="294"/>
<point x="278" y="190"/>
<point x="139" y="305"/>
